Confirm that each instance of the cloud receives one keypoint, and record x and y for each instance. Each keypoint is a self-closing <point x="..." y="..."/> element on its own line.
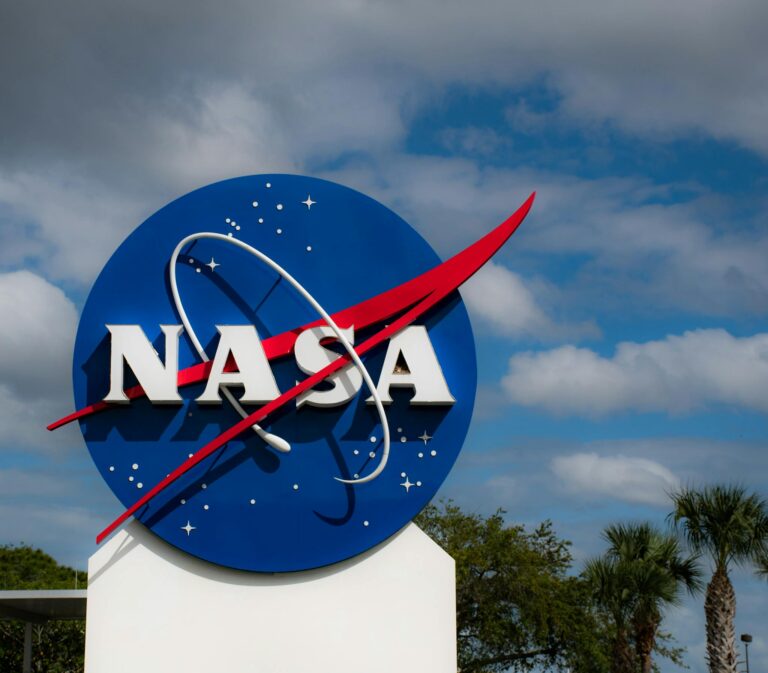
<point x="472" y="140"/>
<point x="503" y="301"/>
<point x="622" y="239"/>
<point x="652" y="66"/>
<point x="500" y="297"/>
<point x="98" y="134"/>
<point x="643" y="242"/>
<point x="37" y="333"/>
<point x="659" y="96"/>
<point x="634" y="480"/>
<point x="696" y="459"/>
<point x="680" y="373"/>
<point x="522" y="116"/>
<point x="65" y="225"/>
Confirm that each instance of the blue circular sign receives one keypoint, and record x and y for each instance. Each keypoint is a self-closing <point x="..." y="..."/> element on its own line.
<point x="247" y="505"/>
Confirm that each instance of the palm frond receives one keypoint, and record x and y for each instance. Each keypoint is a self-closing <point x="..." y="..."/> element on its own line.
<point x="725" y="521"/>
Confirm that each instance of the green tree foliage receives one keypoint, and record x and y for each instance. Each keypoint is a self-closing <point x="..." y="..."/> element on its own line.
<point x="762" y="566"/>
<point x="57" y="647"/>
<point x="643" y="571"/>
<point x="608" y="582"/>
<point x="517" y="608"/>
<point x="24" y="567"/>
<point x="731" y="526"/>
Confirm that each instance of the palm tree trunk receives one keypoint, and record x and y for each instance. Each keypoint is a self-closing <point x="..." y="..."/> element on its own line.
<point x="623" y="656"/>
<point x="720" y="611"/>
<point x="645" y="638"/>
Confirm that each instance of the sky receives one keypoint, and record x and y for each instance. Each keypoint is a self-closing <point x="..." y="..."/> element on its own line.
<point x="622" y="334"/>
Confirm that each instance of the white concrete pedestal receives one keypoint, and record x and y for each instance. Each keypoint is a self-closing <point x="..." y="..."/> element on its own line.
<point x="154" y="609"/>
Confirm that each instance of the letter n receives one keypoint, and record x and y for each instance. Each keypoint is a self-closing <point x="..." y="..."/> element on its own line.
<point x="130" y="346"/>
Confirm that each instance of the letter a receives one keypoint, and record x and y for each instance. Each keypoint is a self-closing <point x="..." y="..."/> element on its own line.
<point x="423" y="374"/>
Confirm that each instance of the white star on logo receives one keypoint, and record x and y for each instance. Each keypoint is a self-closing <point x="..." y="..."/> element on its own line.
<point x="309" y="202"/>
<point x="425" y="437"/>
<point x="188" y="528"/>
<point x="213" y="264"/>
<point x="407" y="485"/>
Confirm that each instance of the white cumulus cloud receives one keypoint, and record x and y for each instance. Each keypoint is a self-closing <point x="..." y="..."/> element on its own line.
<point x="36" y="340"/>
<point x="37" y="333"/>
<point x="635" y="480"/>
<point x="677" y="374"/>
<point x="505" y="302"/>
<point x="500" y="297"/>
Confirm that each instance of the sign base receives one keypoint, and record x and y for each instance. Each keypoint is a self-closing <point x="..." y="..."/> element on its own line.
<point x="152" y="608"/>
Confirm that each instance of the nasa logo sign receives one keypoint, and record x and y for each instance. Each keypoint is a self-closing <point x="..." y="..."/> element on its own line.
<point x="275" y="373"/>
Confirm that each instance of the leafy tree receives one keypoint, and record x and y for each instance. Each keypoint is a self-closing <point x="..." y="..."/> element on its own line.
<point x="642" y="572"/>
<point x="731" y="526"/>
<point x="517" y="609"/>
<point x="57" y="647"/>
<point x="24" y="567"/>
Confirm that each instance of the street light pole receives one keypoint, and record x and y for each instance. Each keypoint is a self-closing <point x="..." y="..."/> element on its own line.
<point x="746" y="639"/>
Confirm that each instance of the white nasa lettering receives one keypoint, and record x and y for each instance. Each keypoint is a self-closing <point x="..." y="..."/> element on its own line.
<point x="243" y="344"/>
<point x="312" y="356"/>
<point x="130" y="346"/>
<point x="423" y="374"/>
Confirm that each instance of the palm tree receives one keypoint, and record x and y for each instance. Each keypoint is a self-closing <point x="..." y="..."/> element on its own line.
<point x="658" y="572"/>
<point x="642" y="572"/>
<point x="731" y="526"/>
<point x="611" y="591"/>
<point x="762" y="565"/>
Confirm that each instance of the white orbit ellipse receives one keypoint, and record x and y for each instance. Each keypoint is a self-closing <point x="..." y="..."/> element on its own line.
<point x="278" y="443"/>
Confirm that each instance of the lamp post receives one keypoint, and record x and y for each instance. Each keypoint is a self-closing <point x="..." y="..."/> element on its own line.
<point x="746" y="639"/>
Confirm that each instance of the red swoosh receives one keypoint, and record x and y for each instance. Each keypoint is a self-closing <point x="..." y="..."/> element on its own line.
<point x="420" y="293"/>
<point x="366" y="313"/>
